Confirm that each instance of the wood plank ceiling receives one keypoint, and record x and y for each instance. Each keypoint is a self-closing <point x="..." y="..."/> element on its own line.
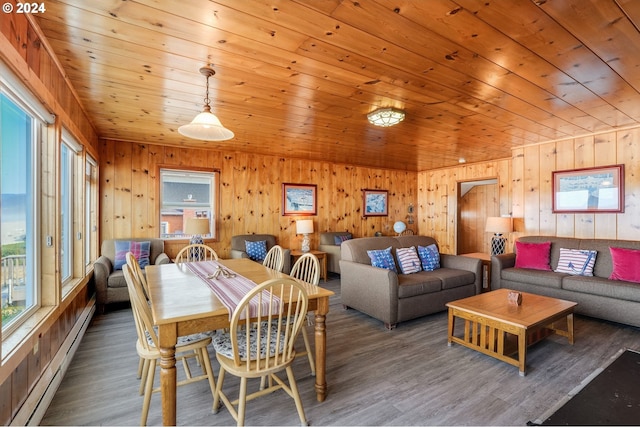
<point x="297" y="78"/>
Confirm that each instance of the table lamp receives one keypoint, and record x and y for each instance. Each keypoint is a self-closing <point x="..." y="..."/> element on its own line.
<point x="498" y="225"/>
<point x="305" y="227"/>
<point x="196" y="227"/>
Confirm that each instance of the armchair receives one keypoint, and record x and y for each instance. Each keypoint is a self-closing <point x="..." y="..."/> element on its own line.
<point x="328" y="245"/>
<point x="238" y="247"/>
<point x="111" y="285"/>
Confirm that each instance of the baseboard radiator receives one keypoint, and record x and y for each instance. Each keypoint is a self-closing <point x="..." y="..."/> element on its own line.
<point x="34" y="408"/>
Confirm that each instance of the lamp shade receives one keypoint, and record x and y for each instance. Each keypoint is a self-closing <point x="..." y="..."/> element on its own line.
<point x="304" y="226"/>
<point x="499" y="225"/>
<point x="207" y="127"/>
<point x="197" y="226"/>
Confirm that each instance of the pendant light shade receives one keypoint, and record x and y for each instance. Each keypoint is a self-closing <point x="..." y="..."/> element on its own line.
<point x="206" y="126"/>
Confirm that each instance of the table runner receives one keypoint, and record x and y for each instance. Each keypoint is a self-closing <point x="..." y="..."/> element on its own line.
<point x="231" y="288"/>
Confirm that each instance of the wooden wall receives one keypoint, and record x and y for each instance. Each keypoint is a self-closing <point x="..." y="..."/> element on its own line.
<point x="26" y="356"/>
<point x="250" y="193"/>
<point x="481" y="202"/>
<point x="525" y="191"/>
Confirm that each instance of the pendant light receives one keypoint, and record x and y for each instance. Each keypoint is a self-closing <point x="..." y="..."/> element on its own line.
<point x="206" y="126"/>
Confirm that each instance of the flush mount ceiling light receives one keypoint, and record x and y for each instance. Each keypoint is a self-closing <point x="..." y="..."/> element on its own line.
<point x="206" y="126"/>
<point x="386" y="117"/>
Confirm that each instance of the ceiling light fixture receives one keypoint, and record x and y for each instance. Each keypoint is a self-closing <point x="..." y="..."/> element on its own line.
<point x="385" y="117"/>
<point x="206" y="126"/>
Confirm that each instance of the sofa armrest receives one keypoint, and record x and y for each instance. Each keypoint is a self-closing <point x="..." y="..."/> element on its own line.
<point x="459" y="262"/>
<point x="235" y="253"/>
<point x="102" y="269"/>
<point x="499" y="263"/>
<point x="162" y="259"/>
<point x="371" y="290"/>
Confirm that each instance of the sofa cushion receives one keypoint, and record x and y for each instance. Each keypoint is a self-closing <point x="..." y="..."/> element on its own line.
<point x="341" y="238"/>
<point x="429" y="257"/>
<point x="408" y="260"/>
<point x="122" y="247"/>
<point x="602" y="287"/>
<point x="257" y="250"/>
<point x="116" y="280"/>
<point x="425" y="282"/>
<point x="382" y="258"/>
<point x="140" y="250"/>
<point x="549" y="279"/>
<point x="453" y="278"/>
<point x="533" y="255"/>
<point x="576" y="262"/>
<point x="625" y="264"/>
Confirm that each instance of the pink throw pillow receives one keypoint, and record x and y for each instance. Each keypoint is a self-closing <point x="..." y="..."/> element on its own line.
<point x="625" y="264"/>
<point x="533" y="255"/>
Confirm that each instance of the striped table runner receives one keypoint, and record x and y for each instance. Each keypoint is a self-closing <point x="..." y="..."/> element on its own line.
<point x="230" y="290"/>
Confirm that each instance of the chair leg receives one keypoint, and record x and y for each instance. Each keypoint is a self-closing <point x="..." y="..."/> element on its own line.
<point x="307" y="345"/>
<point x="147" y="392"/>
<point x="140" y="365"/>
<point x="216" y="395"/>
<point x="296" y="396"/>
<point x="143" y="376"/>
<point x="242" y="401"/>
<point x="204" y="354"/>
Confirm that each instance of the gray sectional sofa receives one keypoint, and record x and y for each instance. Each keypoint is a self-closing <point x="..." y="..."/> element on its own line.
<point x="596" y="295"/>
<point x="392" y="297"/>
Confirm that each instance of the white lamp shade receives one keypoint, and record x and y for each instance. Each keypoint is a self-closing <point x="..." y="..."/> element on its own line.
<point x="304" y="226"/>
<point x="197" y="226"/>
<point x="207" y="127"/>
<point x="499" y="224"/>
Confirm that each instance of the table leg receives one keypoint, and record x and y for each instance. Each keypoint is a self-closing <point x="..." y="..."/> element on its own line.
<point x="321" y="348"/>
<point x="451" y="326"/>
<point x="570" y="327"/>
<point x="168" y="382"/>
<point x="522" y="352"/>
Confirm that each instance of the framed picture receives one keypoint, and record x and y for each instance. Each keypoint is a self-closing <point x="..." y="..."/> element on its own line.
<point x="375" y="203"/>
<point x="299" y="199"/>
<point x="589" y="190"/>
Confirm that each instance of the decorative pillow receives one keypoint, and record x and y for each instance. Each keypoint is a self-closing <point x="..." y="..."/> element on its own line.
<point x="429" y="257"/>
<point x="140" y="251"/>
<point x="257" y="251"/>
<point x="625" y="264"/>
<point x="122" y="247"/>
<point x="533" y="255"/>
<point x="339" y="239"/>
<point x="576" y="262"/>
<point x="382" y="259"/>
<point x="408" y="260"/>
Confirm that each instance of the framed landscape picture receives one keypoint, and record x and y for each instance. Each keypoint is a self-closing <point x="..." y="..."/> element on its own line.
<point x="299" y="199"/>
<point x="375" y="203"/>
<point x="589" y="190"/>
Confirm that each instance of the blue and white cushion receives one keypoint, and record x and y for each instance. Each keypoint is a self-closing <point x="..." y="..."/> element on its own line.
<point x="576" y="262"/>
<point x="429" y="257"/>
<point x="408" y="260"/>
<point x="257" y="251"/>
<point x="382" y="259"/>
<point x="222" y="342"/>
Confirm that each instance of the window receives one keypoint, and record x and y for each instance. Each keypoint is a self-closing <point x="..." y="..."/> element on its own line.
<point x="90" y="211"/>
<point x="66" y="212"/>
<point x="18" y="214"/>
<point x="186" y="194"/>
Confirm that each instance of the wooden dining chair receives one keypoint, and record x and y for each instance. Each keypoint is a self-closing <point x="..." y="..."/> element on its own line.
<point x="274" y="258"/>
<point x="136" y="272"/>
<point x="260" y="343"/>
<point x="307" y="269"/>
<point x="147" y="345"/>
<point x="196" y="252"/>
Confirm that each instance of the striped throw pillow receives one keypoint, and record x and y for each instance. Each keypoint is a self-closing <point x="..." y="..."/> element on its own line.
<point x="408" y="260"/>
<point x="576" y="262"/>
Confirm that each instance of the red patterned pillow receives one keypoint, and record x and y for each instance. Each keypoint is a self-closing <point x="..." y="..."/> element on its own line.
<point x="625" y="264"/>
<point x="533" y="255"/>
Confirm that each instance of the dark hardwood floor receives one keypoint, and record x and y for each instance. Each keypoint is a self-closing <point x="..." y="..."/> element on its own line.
<point x="408" y="376"/>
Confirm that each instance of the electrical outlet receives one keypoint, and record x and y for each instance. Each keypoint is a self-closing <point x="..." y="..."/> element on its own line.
<point x="49" y="241"/>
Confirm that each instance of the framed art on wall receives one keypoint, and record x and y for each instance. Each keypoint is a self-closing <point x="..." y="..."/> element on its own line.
<point x="299" y="199"/>
<point x="375" y="203"/>
<point x="589" y="190"/>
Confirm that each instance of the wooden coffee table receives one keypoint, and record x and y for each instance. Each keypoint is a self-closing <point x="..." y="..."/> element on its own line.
<point x="499" y="329"/>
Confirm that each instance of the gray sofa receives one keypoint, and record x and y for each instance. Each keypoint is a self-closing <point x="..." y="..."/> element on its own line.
<point x="110" y="284"/>
<point x="328" y="245"/>
<point x="238" y="247"/>
<point x="596" y="295"/>
<point x="392" y="297"/>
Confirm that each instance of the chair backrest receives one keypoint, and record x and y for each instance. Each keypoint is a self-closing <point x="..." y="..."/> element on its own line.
<point x="282" y="308"/>
<point x="196" y="252"/>
<point x="274" y="258"/>
<point x="307" y="269"/>
<point x="136" y="272"/>
<point x="141" y="312"/>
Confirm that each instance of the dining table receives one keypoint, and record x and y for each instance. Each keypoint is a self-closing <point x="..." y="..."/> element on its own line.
<point x="183" y="304"/>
